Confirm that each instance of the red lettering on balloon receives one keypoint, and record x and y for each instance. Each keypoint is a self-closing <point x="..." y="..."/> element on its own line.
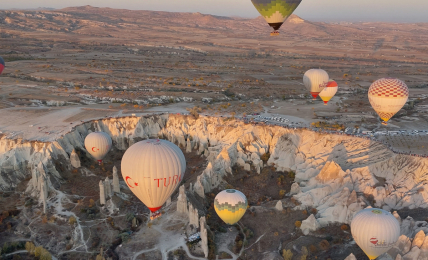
<point x="158" y="181"/>
<point x="164" y="182"/>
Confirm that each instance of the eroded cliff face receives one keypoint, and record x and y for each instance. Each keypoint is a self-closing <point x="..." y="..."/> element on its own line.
<point x="337" y="174"/>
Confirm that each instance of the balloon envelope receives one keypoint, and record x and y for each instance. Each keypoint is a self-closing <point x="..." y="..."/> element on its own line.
<point x="375" y="231"/>
<point x="98" y="144"/>
<point x="329" y="91"/>
<point x="153" y="169"/>
<point x="315" y="81"/>
<point x="2" y="65"/>
<point x="276" y="12"/>
<point x="230" y="205"/>
<point x="387" y="96"/>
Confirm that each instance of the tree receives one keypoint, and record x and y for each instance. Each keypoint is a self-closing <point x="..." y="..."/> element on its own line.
<point x="29" y="246"/>
<point x="287" y="254"/>
<point x="38" y="251"/>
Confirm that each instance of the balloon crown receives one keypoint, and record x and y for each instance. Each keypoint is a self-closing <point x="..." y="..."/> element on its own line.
<point x="377" y="211"/>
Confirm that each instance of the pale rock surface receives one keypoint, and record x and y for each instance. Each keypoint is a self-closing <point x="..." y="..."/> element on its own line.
<point x="188" y="146"/>
<point x="182" y="201"/>
<point x="193" y="216"/>
<point x="204" y="236"/>
<point x="350" y="257"/>
<point x="407" y="226"/>
<point x="240" y="162"/>
<point x="168" y="201"/>
<point x="278" y="206"/>
<point x="74" y="159"/>
<point x="116" y="185"/>
<point x="247" y="167"/>
<point x="102" y="193"/>
<point x="413" y="254"/>
<point x="295" y="188"/>
<point x="310" y="224"/>
<point x="398" y="257"/>
<point x="395" y="214"/>
<point x="424" y="250"/>
<point x="199" y="188"/>
<point x="107" y="187"/>
<point x="403" y="244"/>
<point x="418" y="240"/>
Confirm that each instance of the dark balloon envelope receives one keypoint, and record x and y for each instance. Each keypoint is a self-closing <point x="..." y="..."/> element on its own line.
<point x="2" y="65"/>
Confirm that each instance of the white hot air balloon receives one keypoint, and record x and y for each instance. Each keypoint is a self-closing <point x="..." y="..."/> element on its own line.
<point x="230" y="205"/>
<point x="315" y="81"/>
<point x="387" y="96"/>
<point x="98" y="144"/>
<point x="329" y="91"/>
<point x="375" y="231"/>
<point x="153" y="169"/>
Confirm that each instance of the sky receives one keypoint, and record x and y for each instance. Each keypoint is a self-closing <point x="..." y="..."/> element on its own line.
<point x="314" y="10"/>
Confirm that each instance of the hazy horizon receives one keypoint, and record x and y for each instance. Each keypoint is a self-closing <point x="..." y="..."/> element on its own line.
<point x="333" y="10"/>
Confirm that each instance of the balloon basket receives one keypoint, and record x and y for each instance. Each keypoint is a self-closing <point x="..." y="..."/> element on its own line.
<point x="274" y="33"/>
<point x="155" y="215"/>
<point x="384" y="123"/>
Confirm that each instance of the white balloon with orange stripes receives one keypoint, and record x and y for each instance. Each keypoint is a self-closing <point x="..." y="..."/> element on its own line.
<point x="329" y="91"/>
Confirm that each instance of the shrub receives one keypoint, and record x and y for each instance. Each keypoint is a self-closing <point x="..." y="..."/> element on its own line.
<point x="91" y="203"/>
<point x="324" y="245"/>
<point x="305" y="212"/>
<point x="291" y="174"/>
<point x="265" y="157"/>
<point x="72" y="220"/>
<point x="344" y="227"/>
<point x="312" y="249"/>
<point x="298" y="224"/>
<point x="287" y="254"/>
<point x="29" y="246"/>
<point x="282" y="193"/>
<point x="314" y="211"/>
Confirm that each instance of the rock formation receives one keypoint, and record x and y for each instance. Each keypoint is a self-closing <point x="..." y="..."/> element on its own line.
<point x="182" y="201"/>
<point x="44" y="196"/>
<point x="295" y="188"/>
<point x="310" y="224"/>
<point x="168" y="202"/>
<point x="102" y="193"/>
<point x="74" y="159"/>
<point x="107" y="187"/>
<point x="278" y="206"/>
<point x="116" y="185"/>
<point x="188" y="146"/>
<point x="193" y="216"/>
<point x="204" y="236"/>
<point x="350" y="257"/>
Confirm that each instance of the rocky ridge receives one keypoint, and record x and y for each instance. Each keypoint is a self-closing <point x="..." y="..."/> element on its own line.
<point x="336" y="174"/>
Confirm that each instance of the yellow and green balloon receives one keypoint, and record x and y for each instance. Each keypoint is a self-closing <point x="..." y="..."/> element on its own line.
<point x="276" y="12"/>
<point x="230" y="205"/>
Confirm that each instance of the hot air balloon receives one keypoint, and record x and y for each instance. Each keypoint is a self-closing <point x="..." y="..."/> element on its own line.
<point x="329" y="91"/>
<point x="375" y="231"/>
<point x="230" y="205"/>
<point x="153" y="169"/>
<point x="98" y="144"/>
<point x="276" y="12"/>
<point x="387" y="96"/>
<point x="315" y="81"/>
<point x="2" y="65"/>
